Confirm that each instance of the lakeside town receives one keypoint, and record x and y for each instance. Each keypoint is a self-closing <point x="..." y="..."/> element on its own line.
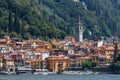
<point x="41" y="56"/>
<point x="59" y="39"/>
<point x="66" y="56"/>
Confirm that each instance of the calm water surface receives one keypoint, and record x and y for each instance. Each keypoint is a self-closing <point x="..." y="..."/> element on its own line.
<point x="61" y="77"/>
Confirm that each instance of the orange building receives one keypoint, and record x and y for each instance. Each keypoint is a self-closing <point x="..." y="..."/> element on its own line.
<point x="104" y="54"/>
<point x="56" y="63"/>
<point x="48" y="46"/>
<point x="36" y="64"/>
<point x="80" y="60"/>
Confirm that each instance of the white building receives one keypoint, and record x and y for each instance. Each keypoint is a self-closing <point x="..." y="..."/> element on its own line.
<point x="4" y="49"/>
<point x="41" y="53"/>
<point x="98" y="43"/>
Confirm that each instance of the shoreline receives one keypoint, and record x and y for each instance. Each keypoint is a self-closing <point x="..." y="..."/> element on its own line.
<point x="56" y="73"/>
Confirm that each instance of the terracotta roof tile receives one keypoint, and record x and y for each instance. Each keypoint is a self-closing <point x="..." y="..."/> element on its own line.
<point x="36" y="60"/>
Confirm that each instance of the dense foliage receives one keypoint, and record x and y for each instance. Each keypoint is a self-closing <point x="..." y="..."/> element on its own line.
<point x="99" y="17"/>
<point x="57" y="18"/>
<point x="23" y="19"/>
<point x="88" y="64"/>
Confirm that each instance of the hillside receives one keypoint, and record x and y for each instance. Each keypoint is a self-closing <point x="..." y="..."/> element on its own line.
<point x="46" y="19"/>
<point x="99" y="17"/>
<point x="23" y="19"/>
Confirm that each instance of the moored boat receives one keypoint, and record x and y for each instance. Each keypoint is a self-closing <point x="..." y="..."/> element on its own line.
<point x="24" y="70"/>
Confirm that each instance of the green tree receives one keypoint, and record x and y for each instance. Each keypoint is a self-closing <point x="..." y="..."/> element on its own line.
<point x="17" y="22"/>
<point x="13" y="34"/>
<point x="94" y="64"/>
<point x="27" y="36"/>
<point x="86" y="65"/>
<point x="10" y="22"/>
<point x="115" y="65"/>
<point x="118" y="58"/>
<point x="1" y="33"/>
<point x="115" y="52"/>
<point x="10" y="28"/>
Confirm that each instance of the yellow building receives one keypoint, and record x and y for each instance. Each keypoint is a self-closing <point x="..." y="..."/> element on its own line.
<point x="56" y="63"/>
<point x="8" y="64"/>
<point x="80" y="60"/>
<point x="36" y="64"/>
<point x="1" y="61"/>
<point x="48" y="46"/>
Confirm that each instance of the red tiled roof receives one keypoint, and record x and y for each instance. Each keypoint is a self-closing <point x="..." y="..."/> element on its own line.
<point x="40" y="50"/>
<point x="31" y="41"/>
<point x="82" y="58"/>
<point x="36" y="60"/>
<point x="3" y="46"/>
<point x="3" y="40"/>
<point x="58" y="57"/>
<point x="8" y="58"/>
<point x="70" y="38"/>
<point x="110" y="48"/>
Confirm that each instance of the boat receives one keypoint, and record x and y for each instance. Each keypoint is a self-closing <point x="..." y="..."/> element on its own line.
<point x="80" y="73"/>
<point x="24" y="70"/>
<point x="6" y="73"/>
<point x="44" y="73"/>
<point x="41" y="73"/>
<point x="96" y="73"/>
<point x="70" y="72"/>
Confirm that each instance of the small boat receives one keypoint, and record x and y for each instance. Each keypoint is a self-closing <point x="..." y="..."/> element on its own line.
<point x="37" y="73"/>
<point x="24" y="70"/>
<point x="44" y="73"/>
<point x="79" y="74"/>
<point x="70" y="72"/>
<point x="96" y="73"/>
<point x="6" y="73"/>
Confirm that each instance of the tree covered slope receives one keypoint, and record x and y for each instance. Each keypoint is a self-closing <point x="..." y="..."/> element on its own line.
<point x="57" y="18"/>
<point x="23" y="19"/>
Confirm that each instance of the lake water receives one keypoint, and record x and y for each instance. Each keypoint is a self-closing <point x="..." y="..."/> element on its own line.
<point x="61" y="77"/>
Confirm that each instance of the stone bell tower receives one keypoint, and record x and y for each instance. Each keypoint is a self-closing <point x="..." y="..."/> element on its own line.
<point x="79" y="31"/>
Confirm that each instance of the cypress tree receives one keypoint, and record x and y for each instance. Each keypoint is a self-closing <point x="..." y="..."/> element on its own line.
<point x="115" y="56"/>
<point x="10" y="26"/>
<point x="22" y="29"/>
<point x="16" y="23"/>
<point x="115" y="52"/>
